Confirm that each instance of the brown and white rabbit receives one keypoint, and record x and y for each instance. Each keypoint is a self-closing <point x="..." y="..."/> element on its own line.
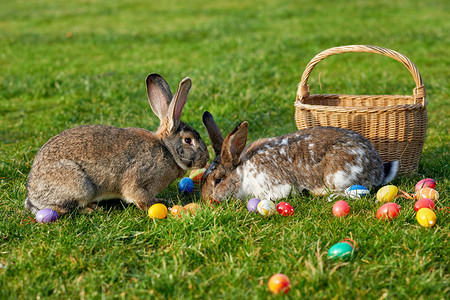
<point x="86" y="164"/>
<point x="320" y="160"/>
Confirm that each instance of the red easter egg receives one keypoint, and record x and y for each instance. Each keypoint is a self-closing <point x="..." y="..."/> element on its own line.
<point x="427" y="182"/>
<point x="279" y="284"/>
<point x="341" y="208"/>
<point x="424" y="203"/>
<point x="389" y="211"/>
<point x="285" y="209"/>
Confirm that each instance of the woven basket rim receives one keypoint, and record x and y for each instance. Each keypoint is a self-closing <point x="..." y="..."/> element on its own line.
<point x="359" y="109"/>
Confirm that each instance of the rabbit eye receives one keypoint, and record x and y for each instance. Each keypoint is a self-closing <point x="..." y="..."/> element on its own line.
<point x="188" y="141"/>
<point x="217" y="181"/>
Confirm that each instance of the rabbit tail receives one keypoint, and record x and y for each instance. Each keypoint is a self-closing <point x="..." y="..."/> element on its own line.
<point x="390" y="170"/>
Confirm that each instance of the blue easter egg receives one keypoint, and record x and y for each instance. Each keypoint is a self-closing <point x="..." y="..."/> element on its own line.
<point x="357" y="191"/>
<point x="186" y="185"/>
<point x="341" y="250"/>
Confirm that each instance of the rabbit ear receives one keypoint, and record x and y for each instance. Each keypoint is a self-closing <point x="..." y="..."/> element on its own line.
<point x="159" y="95"/>
<point x="214" y="133"/>
<point x="234" y="144"/>
<point x="180" y="98"/>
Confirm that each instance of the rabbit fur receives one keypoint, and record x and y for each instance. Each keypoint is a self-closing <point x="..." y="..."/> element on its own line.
<point x="321" y="160"/>
<point x="87" y="164"/>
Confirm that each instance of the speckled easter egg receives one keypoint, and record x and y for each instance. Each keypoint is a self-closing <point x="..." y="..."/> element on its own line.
<point x="285" y="209"/>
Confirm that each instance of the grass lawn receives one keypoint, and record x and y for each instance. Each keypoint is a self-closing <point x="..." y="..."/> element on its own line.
<point x="69" y="63"/>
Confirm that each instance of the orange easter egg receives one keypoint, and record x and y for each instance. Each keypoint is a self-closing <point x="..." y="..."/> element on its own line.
<point x="192" y="207"/>
<point x="177" y="210"/>
<point x="427" y="192"/>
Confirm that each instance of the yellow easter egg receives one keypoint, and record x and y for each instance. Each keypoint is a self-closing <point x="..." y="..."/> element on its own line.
<point x="157" y="211"/>
<point x="427" y="192"/>
<point x="426" y="217"/>
<point x="387" y="193"/>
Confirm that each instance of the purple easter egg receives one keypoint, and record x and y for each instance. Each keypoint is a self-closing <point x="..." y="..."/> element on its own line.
<point x="46" y="215"/>
<point x="252" y="205"/>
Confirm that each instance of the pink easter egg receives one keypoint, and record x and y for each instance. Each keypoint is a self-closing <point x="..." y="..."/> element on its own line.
<point x="341" y="208"/>
<point x="427" y="182"/>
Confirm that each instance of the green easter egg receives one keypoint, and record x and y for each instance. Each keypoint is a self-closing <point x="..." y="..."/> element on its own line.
<point x="342" y="251"/>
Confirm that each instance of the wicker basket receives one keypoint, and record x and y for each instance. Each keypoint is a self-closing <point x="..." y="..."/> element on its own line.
<point x="396" y="125"/>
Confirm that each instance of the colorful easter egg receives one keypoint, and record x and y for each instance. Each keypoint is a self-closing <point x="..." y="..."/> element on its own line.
<point x="427" y="192"/>
<point x="387" y="193"/>
<point x="426" y="217"/>
<point x="427" y="182"/>
<point x="157" y="211"/>
<point x="177" y="210"/>
<point x="341" y="250"/>
<point x="279" y="284"/>
<point x="196" y="175"/>
<point x="388" y="211"/>
<point x="192" y="207"/>
<point x="252" y="205"/>
<point x="424" y="203"/>
<point x="285" y="209"/>
<point x="186" y="185"/>
<point x="46" y="215"/>
<point x="266" y="208"/>
<point x="341" y="208"/>
<point x="357" y="191"/>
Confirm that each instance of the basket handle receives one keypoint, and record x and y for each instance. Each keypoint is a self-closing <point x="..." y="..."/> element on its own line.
<point x="419" y="90"/>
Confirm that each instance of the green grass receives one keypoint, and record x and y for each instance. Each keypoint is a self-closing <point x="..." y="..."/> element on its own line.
<point x="245" y="59"/>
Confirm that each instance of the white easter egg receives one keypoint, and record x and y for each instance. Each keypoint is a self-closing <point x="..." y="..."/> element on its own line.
<point x="266" y="208"/>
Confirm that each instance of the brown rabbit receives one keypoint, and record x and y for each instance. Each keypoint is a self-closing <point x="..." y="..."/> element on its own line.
<point x="86" y="164"/>
<point x="320" y="160"/>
